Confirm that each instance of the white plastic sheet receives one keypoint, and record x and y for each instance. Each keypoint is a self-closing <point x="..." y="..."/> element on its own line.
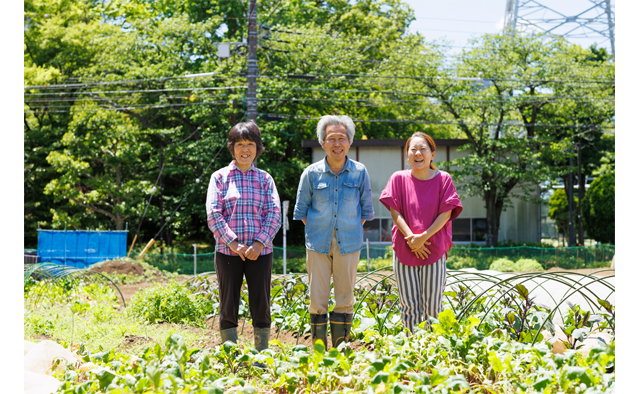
<point x="38" y="361"/>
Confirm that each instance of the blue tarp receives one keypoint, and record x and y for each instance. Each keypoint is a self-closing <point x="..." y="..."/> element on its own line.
<point x="80" y="248"/>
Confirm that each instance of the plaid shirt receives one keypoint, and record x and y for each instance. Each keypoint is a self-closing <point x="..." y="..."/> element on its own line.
<point x="243" y="206"/>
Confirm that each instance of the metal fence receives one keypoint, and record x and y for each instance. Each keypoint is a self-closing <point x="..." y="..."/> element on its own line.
<point x="381" y="255"/>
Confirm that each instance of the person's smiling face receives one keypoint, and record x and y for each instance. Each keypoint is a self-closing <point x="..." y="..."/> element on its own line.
<point x="419" y="154"/>
<point x="336" y="142"/>
<point x="244" y="151"/>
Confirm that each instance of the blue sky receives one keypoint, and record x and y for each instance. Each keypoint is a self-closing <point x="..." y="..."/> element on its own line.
<point x="460" y="20"/>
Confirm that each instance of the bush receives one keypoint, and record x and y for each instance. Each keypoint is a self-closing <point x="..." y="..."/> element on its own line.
<point x="172" y="303"/>
<point x="457" y="262"/>
<point x="599" y="211"/>
<point x="503" y="265"/>
<point x="294" y="265"/>
<point x="528" y="265"/>
<point x="374" y="264"/>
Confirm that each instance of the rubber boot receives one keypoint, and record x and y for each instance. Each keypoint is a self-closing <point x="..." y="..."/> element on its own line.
<point x="230" y="334"/>
<point x="261" y="342"/>
<point x="340" y="327"/>
<point x="318" y="328"/>
<point x="261" y="338"/>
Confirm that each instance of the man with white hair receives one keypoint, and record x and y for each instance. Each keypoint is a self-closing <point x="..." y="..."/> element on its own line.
<point x="333" y="201"/>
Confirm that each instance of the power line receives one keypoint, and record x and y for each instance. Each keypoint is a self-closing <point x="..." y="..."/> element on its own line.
<point x="283" y="117"/>
<point x="136" y="91"/>
<point x="511" y="100"/>
<point x="127" y="108"/>
<point x="471" y="79"/>
<point x="86" y="84"/>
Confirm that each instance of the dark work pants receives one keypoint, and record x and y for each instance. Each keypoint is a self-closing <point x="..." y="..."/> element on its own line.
<point x="230" y="270"/>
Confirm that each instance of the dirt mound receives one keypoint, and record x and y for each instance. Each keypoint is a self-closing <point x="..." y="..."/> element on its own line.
<point x="130" y="267"/>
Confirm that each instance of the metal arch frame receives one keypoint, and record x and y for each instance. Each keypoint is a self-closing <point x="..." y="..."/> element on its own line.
<point x="522" y="13"/>
<point x="52" y="272"/>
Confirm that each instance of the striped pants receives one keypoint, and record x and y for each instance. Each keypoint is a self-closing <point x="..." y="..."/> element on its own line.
<point x="420" y="290"/>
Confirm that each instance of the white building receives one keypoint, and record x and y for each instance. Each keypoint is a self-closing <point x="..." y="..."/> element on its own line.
<point x="521" y="222"/>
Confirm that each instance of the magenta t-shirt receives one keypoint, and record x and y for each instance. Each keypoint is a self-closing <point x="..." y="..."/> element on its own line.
<point x="420" y="202"/>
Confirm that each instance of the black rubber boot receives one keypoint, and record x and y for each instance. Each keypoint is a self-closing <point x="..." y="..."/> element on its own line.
<point x="318" y="328"/>
<point x="340" y="327"/>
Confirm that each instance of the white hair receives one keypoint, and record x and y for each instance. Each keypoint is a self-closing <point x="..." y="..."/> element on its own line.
<point x="335" y="120"/>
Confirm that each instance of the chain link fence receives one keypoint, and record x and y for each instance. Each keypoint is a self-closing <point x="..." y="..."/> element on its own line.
<point x="381" y="256"/>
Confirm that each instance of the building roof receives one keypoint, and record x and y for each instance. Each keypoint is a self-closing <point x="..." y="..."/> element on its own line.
<point x="388" y="142"/>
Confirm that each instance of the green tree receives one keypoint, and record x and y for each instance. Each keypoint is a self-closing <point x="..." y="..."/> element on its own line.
<point x="599" y="209"/>
<point x="495" y="94"/>
<point x="102" y="166"/>
<point x="559" y="210"/>
<point x="134" y="56"/>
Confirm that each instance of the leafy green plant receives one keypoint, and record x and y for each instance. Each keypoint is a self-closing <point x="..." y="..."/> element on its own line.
<point x="456" y="262"/>
<point x="39" y="324"/>
<point x="578" y="325"/>
<point x="522" y="317"/>
<point x="172" y="303"/>
<point x="503" y="265"/>
<point x="374" y="264"/>
<point x="528" y="265"/>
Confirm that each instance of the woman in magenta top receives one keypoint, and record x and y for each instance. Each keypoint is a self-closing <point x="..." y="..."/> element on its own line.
<point x="423" y="202"/>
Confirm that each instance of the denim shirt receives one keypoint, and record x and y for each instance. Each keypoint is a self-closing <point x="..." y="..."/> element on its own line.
<point x="334" y="202"/>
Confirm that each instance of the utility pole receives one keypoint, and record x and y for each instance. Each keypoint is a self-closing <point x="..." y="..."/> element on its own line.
<point x="580" y="195"/>
<point x="161" y="208"/>
<point x="572" y="238"/>
<point x="252" y="62"/>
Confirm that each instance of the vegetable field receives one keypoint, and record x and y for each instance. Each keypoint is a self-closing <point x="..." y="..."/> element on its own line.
<point x="539" y="332"/>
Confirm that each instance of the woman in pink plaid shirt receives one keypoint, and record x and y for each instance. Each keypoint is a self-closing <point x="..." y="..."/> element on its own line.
<point x="243" y="212"/>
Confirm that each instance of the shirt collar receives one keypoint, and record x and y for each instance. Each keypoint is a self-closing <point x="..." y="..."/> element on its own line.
<point x="347" y="165"/>
<point x="233" y="166"/>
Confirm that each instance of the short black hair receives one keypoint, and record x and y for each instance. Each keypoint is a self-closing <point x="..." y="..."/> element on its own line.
<point x="248" y="131"/>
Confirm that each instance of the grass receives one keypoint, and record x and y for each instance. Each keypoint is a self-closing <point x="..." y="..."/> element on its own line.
<point x="62" y="325"/>
<point x="89" y="314"/>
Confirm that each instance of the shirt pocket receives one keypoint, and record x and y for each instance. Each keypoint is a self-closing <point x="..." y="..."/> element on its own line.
<point x="231" y="197"/>
<point x="321" y="192"/>
<point x="350" y="191"/>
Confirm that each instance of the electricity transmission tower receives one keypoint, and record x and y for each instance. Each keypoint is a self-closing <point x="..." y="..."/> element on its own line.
<point x="590" y="19"/>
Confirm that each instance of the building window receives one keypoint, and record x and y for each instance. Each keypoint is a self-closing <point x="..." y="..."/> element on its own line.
<point x="462" y="230"/>
<point x="469" y="230"/>
<point x="371" y="230"/>
<point x="378" y="230"/>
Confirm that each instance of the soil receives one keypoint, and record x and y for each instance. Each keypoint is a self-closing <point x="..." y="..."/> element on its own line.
<point x="132" y="340"/>
<point x="119" y="267"/>
<point x="245" y="335"/>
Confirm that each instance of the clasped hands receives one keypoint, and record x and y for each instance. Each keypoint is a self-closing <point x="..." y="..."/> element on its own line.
<point x="418" y="244"/>
<point x="251" y="252"/>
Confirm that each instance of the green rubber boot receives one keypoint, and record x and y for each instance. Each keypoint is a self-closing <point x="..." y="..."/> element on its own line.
<point x="261" y="338"/>
<point x="230" y="334"/>
<point x="318" y="328"/>
<point x="340" y="327"/>
<point x="261" y="342"/>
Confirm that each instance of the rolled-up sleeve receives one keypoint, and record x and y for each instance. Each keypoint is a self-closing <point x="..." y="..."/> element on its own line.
<point x="215" y="218"/>
<point x="303" y="197"/>
<point x="450" y="201"/>
<point x="272" y="218"/>
<point x="366" y="205"/>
